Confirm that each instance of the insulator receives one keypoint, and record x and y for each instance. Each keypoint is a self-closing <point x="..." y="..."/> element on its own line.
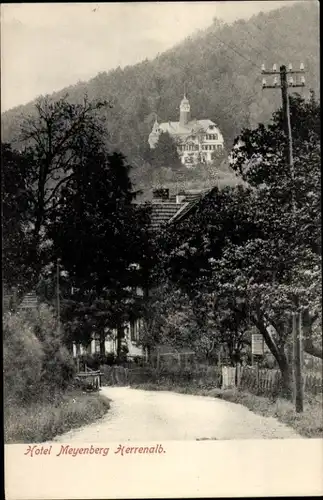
<point x="275" y="67"/>
<point x="263" y="67"/>
<point x="303" y="80"/>
<point x="290" y="67"/>
<point x="291" y="80"/>
<point x="275" y="80"/>
<point x="264" y="83"/>
<point x="301" y="67"/>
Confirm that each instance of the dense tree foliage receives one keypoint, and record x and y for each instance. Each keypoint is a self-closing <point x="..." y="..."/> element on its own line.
<point x="52" y="143"/>
<point x="165" y="153"/>
<point x="99" y="235"/>
<point x="67" y="198"/>
<point x="16" y="209"/>
<point x="250" y="249"/>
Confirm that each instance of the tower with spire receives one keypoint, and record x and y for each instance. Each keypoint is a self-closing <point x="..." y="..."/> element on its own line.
<point x="184" y="111"/>
<point x="197" y="140"/>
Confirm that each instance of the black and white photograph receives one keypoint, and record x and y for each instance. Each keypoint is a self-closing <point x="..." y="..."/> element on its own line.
<point x="161" y="233"/>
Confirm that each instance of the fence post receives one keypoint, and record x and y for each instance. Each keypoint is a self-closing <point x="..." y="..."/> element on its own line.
<point x="158" y="360"/>
<point x="257" y="375"/>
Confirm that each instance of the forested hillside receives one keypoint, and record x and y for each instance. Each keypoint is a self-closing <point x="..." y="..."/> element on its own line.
<point x="222" y="71"/>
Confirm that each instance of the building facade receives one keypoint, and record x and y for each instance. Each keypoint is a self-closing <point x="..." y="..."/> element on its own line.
<point x="131" y="341"/>
<point x="197" y="140"/>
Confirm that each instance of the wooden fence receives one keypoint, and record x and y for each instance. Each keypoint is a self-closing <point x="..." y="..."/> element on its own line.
<point x="120" y="375"/>
<point x="265" y="382"/>
<point x="203" y="375"/>
<point x="268" y="382"/>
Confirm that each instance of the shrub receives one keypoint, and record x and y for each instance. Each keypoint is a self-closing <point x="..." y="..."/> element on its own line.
<point x="58" y="366"/>
<point x="36" y="362"/>
<point x="23" y="357"/>
<point x="93" y="361"/>
<point x="110" y="359"/>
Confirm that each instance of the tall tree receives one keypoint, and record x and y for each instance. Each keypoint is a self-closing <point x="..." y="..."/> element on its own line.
<point x="165" y="153"/>
<point x="16" y="210"/>
<point x="54" y="136"/>
<point x="244" y="244"/>
<point x="289" y="205"/>
<point x="98" y="233"/>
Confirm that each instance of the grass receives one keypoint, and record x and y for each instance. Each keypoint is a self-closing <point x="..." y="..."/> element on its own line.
<point x="308" y="424"/>
<point x="43" y="420"/>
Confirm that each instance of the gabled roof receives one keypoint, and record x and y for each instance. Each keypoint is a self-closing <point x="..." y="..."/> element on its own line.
<point x="192" y="125"/>
<point x="190" y="196"/>
<point x="162" y="212"/>
<point x="168" y="211"/>
<point x="189" y="207"/>
<point x="30" y="301"/>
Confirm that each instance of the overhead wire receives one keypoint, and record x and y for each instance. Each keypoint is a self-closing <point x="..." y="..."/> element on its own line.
<point x="270" y="50"/>
<point x="235" y="49"/>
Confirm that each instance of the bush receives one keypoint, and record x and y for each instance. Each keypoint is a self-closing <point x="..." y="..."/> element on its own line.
<point x="35" y="360"/>
<point x="23" y="357"/>
<point x="110" y="359"/>
<point x="94" y="361"/>
<point x="58" y="365"/>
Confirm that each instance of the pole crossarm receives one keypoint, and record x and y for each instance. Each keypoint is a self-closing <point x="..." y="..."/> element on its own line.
<point x="286" y="78"/>
<point x="278" y="86"/>
<point x="294" y="72"/>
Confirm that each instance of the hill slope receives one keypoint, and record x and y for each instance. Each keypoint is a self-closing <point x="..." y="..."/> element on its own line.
<point x="221" y="67"/>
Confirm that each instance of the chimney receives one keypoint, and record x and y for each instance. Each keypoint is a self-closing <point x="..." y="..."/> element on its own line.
<point x="180" y="197"/>
<point x="162" y="194"/>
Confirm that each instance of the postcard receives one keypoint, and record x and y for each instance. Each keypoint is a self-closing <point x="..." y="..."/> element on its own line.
<point x="161" y="215"/>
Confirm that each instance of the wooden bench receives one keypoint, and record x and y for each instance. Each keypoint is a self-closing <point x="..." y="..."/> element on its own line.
<point x="93" y="378"/>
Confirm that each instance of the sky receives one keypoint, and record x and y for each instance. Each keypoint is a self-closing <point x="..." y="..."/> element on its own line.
<point x="46" y="47"/>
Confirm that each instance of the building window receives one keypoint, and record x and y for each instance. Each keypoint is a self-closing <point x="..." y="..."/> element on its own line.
<point x="134" y="331"/>
<point x="212" y="137"/>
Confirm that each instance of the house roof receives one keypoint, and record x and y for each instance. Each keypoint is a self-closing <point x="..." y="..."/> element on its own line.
<point x="175" y="128"/>
<point x="189" y="206"/>
<point x="190" y="196"/>
<point x="165" y="212"/>
<point x="162" y="212"/>
<point x="29" y="301"/>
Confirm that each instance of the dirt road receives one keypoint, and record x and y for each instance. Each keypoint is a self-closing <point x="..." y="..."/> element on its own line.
<point x="147" y="415"/>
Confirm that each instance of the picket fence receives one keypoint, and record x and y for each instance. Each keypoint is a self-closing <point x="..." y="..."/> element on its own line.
<point x="120" y="375"/>
<point x="265" y="382"/>
<point x="268" y="382"/>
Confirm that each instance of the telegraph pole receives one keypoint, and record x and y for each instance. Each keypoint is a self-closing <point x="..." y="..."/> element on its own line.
<point x="283" y="84"/>
<point x="58" y="304"/>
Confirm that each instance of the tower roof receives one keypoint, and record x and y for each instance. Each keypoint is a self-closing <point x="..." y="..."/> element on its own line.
<point x="184" y="100"/>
